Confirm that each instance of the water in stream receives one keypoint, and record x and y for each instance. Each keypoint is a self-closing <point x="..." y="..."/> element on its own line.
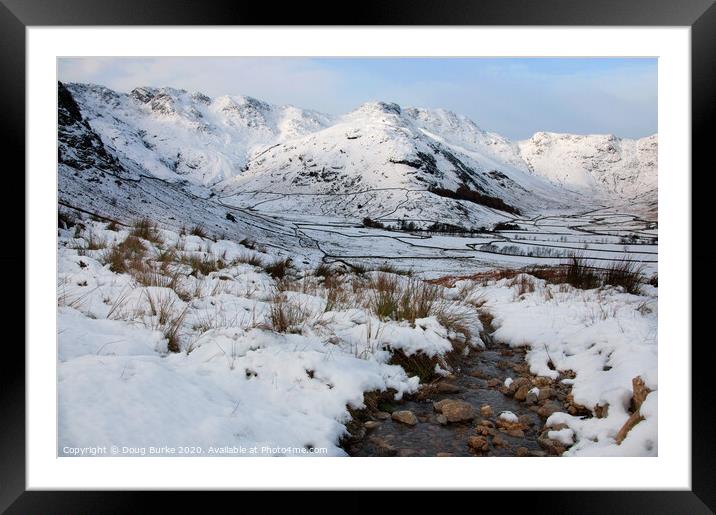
<point x="431" y="438"/>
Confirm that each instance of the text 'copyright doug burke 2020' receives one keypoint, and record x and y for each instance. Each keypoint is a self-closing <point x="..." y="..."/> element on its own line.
<point x="165" y="450"/>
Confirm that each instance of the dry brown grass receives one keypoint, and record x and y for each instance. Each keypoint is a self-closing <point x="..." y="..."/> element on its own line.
<point x="249" y="259"/>
<point x="455" y="318"/>
<point x="169" y="318"/>
<point x="126" y="255"/>
<point x="199" y="231"/>
<point x="146" y="229"/>
<point x="202" y="265"/>
<point x="391" y="298"/>
<point x="577" y="272"/>
<point x="286" y="316"/>
<point x="627" y="274"/>
<point x="279" y="269"/>
<point x="523" y="283"/>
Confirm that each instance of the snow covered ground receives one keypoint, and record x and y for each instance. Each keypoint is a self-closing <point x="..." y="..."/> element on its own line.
<point x="172" y="339"/>
<point x="197" y="333"/>
<point x="605" y="336"/>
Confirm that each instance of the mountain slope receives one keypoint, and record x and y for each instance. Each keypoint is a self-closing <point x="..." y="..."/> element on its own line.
<point x="176" y="135"/>
<point x="598" y="163"/>
<point x="94" y="178"/>
<point x="384" y="149"/>
<point x="379" y="161"/>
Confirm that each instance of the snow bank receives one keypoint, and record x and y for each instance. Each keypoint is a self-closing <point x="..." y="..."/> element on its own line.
<point x="606" y="337"/>
<point x="235" y="382"/>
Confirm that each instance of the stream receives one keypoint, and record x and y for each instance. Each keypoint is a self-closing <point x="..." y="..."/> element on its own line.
<point x="478" y="380"/>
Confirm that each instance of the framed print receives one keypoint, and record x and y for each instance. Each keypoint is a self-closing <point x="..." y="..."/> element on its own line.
<point x="272" y="251"/>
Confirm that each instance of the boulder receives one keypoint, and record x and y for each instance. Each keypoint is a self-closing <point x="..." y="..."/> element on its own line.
<point x="486" y="423"/>
<point x="478" y="443"/>
<point x="531" y="397"/>
<point x="447" y="388"/>
<point x="455" y="410"/>
<point x="525" y="420"/>
<point x="484" y="430"/>
<point x="553" y="447"/>
<point x="405" y="417"/>
<point x="511" y="424"/>
<point x="516" y="433"/>
<point x="548" y="408"/>
<point x="498" y="441"/>
<point x="545" y="393"/>
<point x="542" y="381"/>
<point x="521" y="392"/>
<point x="522" y="452"/>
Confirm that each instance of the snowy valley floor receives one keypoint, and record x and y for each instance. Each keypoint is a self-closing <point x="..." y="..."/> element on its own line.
<point x="173" y="339"/>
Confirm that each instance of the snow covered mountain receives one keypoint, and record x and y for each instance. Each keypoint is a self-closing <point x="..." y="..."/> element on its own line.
<point x="622" y="167"/>
<point x="378" y="161"/>
<point x="383" y="149"/>
<point x="174" y="134"/>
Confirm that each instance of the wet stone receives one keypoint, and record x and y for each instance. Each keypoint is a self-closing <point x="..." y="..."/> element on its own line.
<point x="541" y="381"/>
<point x="478" y="443"/>
<point x="545" y="393"/>
<point x="405" y="417"/>
<point x="521" y="393"/>
<point x="548" y="408"/>
<point x="553" y="447"/>
<point x="448" y="388"/>
<point x="455" y="410"/>
<point x="477" y="399"/>
<point x="486" y="423"/>
<point x="483" y="430"/>
<point x="525" y="420"/>
<point x="494" y="383"/>
<point x="498" y="441"/>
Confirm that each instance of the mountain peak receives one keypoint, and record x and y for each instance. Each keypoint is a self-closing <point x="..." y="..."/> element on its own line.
<point x="178" y="135"/>
<point x="378" y="107"/>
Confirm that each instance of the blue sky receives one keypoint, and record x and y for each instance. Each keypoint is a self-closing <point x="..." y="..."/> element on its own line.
<point x="515" y="97"/>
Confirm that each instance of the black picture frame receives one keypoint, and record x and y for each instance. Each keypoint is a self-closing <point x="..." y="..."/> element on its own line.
<point x="17" y="15"/>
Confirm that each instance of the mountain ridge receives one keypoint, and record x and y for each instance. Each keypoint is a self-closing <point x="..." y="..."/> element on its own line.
<point x="234" y="145"/>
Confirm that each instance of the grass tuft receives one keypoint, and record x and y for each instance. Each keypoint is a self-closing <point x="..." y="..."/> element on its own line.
<point x="199" y="231"/>
<point x="627" y="274"/>
<point x="394" y="299"/>
<point x="126" y="255"/>
<point x="286" y="316"/>
<point x="146" y="229"/>
<point x="279" y="269"/>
